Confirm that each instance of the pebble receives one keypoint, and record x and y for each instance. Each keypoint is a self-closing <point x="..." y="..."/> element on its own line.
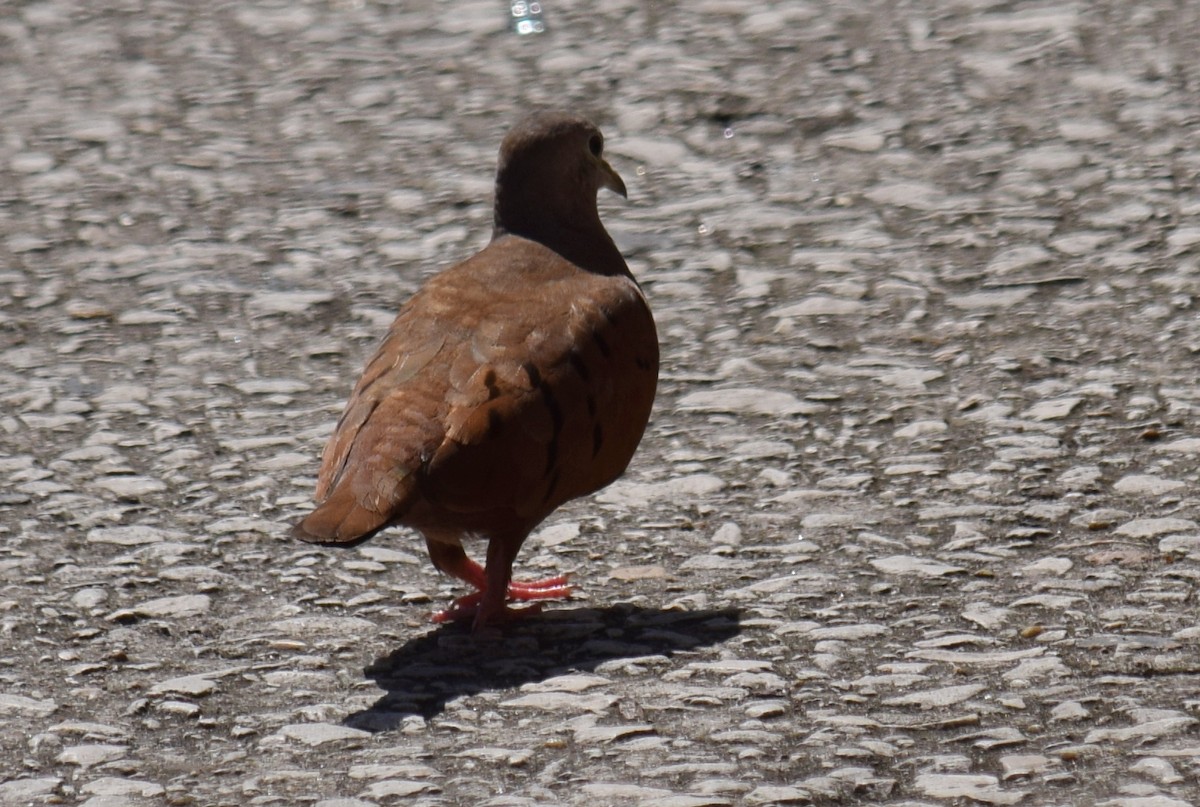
<point x="1052" y="410"/>
<point x="193" y="685"/>
<point x="978" y="788"/>
<point x="679" y="800"/>
<point x="24" y="791"/>
<point x="1154" y="527"/>
<point x="1146" y="485"/>
<point x="634" y="495"/>
<point x="91" y="755"/>
<point x="573" y="682"/>
<point x="130" y="487"/>
<point x="397" y="789"/>
<point x="1158" y="769"/>
<point x="318" y="734"/>
<point x="915" y="195"/>
<point x="748" y="401"/>
<point x="1141" y="732"/>
<point x="777" y="794"/>
<point x="19" y="704"/>
<point x="117" y="786"/>
<point x="561" y="702"/>
<point x="184" y="605"/>
<point x="935" y="698"/>
<point x="820" y="305"/>
<point x="908" y="564"/>
<point x="133" y="535"/>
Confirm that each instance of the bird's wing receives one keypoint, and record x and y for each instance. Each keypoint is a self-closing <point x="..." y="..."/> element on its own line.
<point x="490" y="400"/>
<point x="547" y="402"/>
<point x="388" y="428"/>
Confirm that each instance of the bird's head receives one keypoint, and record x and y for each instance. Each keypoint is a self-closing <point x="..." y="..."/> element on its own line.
<point x="551" y="167"/>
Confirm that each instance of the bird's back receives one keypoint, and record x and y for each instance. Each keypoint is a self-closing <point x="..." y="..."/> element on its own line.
<point x="511" y="383"/>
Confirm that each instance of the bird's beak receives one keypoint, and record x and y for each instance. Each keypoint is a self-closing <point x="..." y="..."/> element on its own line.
<point x="611" y="179"/>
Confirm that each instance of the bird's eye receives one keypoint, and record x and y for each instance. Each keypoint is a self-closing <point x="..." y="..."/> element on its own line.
<point x="596" y="145"/>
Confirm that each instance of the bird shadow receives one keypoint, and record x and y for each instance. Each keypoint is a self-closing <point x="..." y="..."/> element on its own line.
<point x="427" y="672"/>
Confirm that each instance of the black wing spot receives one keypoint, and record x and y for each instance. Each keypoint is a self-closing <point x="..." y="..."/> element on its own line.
<point x="579" y="365"/>
<point x="489" y="381"/>
<point x="535" y="375"/>
<point x="556" y="418"/>
<point x="601" y="343"/>
<point x="597" y="439"/>
<point x="495" y="423"/>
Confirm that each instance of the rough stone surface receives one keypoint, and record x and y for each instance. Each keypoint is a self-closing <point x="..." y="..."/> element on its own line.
<point x="916" y="519"/>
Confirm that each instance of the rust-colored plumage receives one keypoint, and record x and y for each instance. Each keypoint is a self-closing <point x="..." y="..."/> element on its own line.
<point x="509" y="384"/>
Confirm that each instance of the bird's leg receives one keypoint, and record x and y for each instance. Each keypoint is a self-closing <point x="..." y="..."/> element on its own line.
<point x="482" y="605"/>
<point x="501" y="552"/>
<point x="449" y="557"/>
<point x="452" y="559"/>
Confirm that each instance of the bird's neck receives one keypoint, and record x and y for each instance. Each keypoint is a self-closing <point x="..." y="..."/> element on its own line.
<point x="573" y="231"/>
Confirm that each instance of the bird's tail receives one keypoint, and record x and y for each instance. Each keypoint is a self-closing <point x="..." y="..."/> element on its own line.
<point x="340" y="520"/>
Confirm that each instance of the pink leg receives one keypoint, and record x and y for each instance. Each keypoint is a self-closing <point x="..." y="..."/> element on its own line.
<point x="482" y="606"/>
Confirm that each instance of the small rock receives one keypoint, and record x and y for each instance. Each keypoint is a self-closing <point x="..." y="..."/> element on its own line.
<point x="977" y="787"/>
<point x="29" y="791"/>
<point x="921" y="428"/>
<point x="936" y="698"/>
<point x="87" y="756"/>
<point x="315" y="734"/>
<point x="295" y="302"/>
<point x="557" y="534"/>
<point x="561" y="702"/>
<point x="397" y="789"/>
<point x="130" y="487"/>
<point x="271" y="386"/>
<point x="1147" y="732"/>
<point x="820" y="305"/>
<point x="591" y="734"/>
<point x="1154" y="527"/>
<point x="639" y="495"/>
<point x="19" y="704"/>
<point x="1188" y="445"/>
<point x="572" y="682"/>
<point x="907" y="564"/>
<point x="1158" y="769"/>
<point x="116" y="786"/>
<point x="777" y="794"/>
<point x="174" y="607"/>
<point x="1146" y="485"/>
<point x="1069" y="710"/>
<point x="133" y="535"/>
<point x="196" y="686"/>
<point x="1052" y="410"/>
<point x="650" y="572"/>
<point x="1020" y="765"/>
<point x="747" y="400"/>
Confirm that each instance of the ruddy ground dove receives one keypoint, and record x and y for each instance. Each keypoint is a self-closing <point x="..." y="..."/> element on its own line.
<point x="509" y="384"/>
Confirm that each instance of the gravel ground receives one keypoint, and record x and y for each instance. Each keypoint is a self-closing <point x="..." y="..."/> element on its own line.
<point x="916" y="521"/>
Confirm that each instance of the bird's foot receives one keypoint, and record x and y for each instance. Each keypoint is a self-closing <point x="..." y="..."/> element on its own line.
<point x="551" y="588"/>
<point x="472" y="606"/>
<point x="470" y="609"/>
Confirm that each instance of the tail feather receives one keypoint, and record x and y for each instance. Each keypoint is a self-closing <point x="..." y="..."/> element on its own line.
<point x="339" y="521"/>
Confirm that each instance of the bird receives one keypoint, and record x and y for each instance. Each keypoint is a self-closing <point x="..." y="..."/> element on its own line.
<point x="509" y="384"/>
